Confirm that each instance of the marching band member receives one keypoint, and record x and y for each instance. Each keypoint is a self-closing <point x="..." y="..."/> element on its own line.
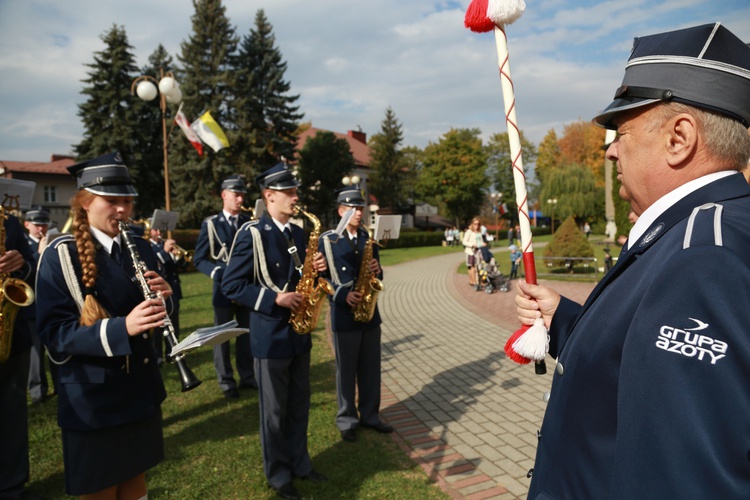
<point x="94" y="320"/>
<point x="652" y="370"/>
<point x="36" y="221"/>
<point x="262" y="275"/>
<point x="17" y="262"/>
<point x="357" y="344"/>
<point x="211" y="255"/>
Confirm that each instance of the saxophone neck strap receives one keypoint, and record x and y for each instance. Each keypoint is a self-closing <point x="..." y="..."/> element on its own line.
<point x="292" y="249"/>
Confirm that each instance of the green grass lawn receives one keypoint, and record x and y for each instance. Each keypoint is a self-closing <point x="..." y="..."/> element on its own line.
<point x="212" y="444"/>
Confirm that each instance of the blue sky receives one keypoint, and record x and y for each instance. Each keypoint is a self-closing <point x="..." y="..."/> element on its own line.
<point x="350" y="60"/>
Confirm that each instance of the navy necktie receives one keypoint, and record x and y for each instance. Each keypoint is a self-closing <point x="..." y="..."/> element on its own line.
<point x="233" y="221"/>
<point x="116" y="253"/>
<point x="287" y="234"/>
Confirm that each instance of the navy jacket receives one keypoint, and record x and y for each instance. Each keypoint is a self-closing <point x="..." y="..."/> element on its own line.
<point x="271" y="334"/>
<point x="109" y="378"/>
<point x="15" y="239"/>
<point x="168" y="268"/>
<point x="212" y="251"/>
<point x="650" y="397"/>
<point x="343" y="269"/>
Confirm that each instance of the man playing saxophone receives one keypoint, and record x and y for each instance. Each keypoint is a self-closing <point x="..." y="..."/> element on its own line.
<point x="353" y="261"/>
<point x="264" y="268"/>
<point x="16" y="261"/>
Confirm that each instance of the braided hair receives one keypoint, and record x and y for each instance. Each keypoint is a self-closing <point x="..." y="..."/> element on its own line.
<point x="92" y="310"/>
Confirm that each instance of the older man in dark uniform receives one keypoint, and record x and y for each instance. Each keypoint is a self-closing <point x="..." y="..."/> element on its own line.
<point x="211" y="256"/>
<point x="262" y="274"/>
<point x="17" y="262"/>
<point x="357" y="343"/>
<point x="649" y="397"/>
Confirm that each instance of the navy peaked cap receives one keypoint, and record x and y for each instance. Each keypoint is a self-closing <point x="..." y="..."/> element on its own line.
<point x="705" y="66"/>
<point x="38" y="216"/>
<point x="234" y="183"/>
<point x="278" y="177"/>
<point x="350" y="196"/>
<point x="106" y="176"/>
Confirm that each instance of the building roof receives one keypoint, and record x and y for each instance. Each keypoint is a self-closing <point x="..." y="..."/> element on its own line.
<point x="58" y="164"/>
<point x="357" y="143"/>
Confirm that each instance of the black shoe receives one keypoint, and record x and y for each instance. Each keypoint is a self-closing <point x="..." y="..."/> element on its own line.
<point x="379" y="427"/>
<point x="249" y="385"/>
<point x="314" y="476"/>
<point x="232" y="393"/>
<point x="349" y="435"/>
<point x="288" y="491"/>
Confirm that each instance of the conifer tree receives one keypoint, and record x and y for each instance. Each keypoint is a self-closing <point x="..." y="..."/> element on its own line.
<point x="323" y="162"/>
<point x="388" y="168"/>
<point x="111" y="115"/>
<point x="266" y="116"/>
<point x="207" y="84"/>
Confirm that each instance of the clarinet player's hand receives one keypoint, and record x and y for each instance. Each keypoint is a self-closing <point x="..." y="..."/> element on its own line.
<point x="157" y="284"/>
<point x="146" y="315"/>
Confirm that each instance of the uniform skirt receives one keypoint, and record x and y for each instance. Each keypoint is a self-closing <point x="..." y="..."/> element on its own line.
<point x="101" y="458"/>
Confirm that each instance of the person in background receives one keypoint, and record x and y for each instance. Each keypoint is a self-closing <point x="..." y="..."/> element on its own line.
<point x="262" y="274"/>
<point x="17" y="262"/>
<point x="169" y="264"/>
<point x="211" y="255"/>
<point x="36" y="221"/>
<point x="652" y="370"/>
<point x="515" y="260"/>
<point x="94" y="320"/>
<point x="472" y="242"/>
<point x="357" y="343"/>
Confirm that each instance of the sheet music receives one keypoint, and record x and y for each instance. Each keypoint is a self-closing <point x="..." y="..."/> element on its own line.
<point x="211" y="335"/>
<point x="387" y="227"/>
<point x="16" y="194"/>
<point x="164" y="221"/>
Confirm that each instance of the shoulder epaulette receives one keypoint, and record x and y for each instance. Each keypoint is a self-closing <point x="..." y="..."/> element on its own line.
<point x="65" y="238"/>
<point x="210" y="217"/>
<point x="247" y="225"/>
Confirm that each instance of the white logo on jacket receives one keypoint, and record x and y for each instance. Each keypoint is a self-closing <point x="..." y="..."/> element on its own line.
<point x="690" y="344"/>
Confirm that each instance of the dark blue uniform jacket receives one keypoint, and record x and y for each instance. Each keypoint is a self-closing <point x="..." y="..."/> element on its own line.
<point x="109" y="378"/>
<point x="650" y="398"/>
<point x="212" y="251"/>
<point x="15" y="240"/>
<point x="344" y="265"/>
<point x="271" y="335"/>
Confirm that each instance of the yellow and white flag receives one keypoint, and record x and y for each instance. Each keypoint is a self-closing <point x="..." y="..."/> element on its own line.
<point x="210" y="132"/>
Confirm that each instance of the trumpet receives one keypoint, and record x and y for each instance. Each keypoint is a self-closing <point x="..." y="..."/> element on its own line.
<point x="181" y="253"/>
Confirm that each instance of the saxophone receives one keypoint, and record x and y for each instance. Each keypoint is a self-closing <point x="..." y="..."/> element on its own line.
<point x="14" y="293"/>
<point x="305" y="319"/>
<point x="367" y="284"/>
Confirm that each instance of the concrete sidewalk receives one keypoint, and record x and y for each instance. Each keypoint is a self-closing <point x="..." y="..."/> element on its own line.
<point x="461" y="409"/>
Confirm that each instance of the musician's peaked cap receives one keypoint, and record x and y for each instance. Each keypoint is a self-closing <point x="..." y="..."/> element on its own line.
<point x="278" y="177"/>
<point x="37" y="216"/>
<point x="705" y="66"/>
<point x="235" y="183"/>
<point x="106" y="176"/>
<point x="350" y="196"/>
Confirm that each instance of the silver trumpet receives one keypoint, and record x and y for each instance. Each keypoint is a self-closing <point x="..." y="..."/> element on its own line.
<point x="187" y="378"/>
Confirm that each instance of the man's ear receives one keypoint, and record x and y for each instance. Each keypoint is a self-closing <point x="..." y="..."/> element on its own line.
<point x="682" y="139"/>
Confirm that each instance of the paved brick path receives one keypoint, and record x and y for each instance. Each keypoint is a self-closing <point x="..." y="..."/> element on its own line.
<point x="461" y="409"/>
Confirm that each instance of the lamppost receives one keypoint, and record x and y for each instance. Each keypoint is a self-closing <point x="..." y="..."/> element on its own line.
<point x="497" y="199"/>
<point x="552" y="202"/>
<point x="147" y="88"/>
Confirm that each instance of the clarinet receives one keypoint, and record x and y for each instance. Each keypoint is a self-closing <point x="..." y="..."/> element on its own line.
<point x="187" y="378"/>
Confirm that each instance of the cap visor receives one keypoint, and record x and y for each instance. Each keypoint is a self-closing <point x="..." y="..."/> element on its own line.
<point x="113" y="190"/>
<point x="618" y="106"/>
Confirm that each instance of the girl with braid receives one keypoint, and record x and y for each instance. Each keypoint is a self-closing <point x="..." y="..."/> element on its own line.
<point x="96" y="324"/>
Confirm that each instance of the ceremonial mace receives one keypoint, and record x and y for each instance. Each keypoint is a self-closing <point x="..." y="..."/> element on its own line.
<point x="527" y="343"/>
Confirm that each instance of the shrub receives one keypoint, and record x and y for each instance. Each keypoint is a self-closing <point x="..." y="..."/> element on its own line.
<point x="568" y="241"/>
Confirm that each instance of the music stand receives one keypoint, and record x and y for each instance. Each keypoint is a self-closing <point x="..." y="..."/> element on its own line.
<point x="164" y="221"/>
<point x="16" y="194"/>
<point x="387" y="227"/>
